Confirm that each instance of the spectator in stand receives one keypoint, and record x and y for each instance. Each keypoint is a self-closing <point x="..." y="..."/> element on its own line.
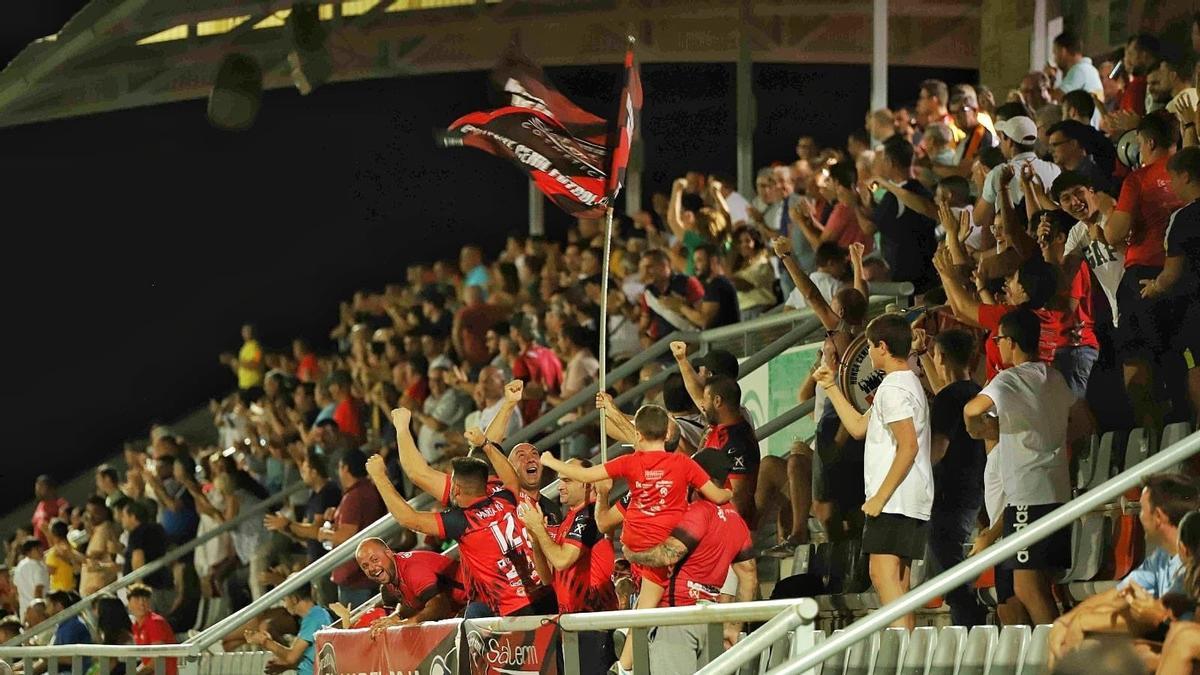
<point x="489" y="399"/>
<point x="49" y="506"/>
<point x="177" y="508"/>
<point x="840" y="226"/>
<point x="1165" y="500"/>
<point x="361" y="505"/>
<point x="931" y="107"/>
<point x="833" y="266"/>
<point x="30" y="576"/>
<point x="1181" y="648"/>
<point x="752" y="274"/>
<point x="102" y="548"/>
<point x="1140" y="220"/>
<point x="444" y="412"/>
<point x="1141" y="57"/>
<point x="964" y="106"/>
<point x="582" y="368"/>
<point x="958" y="461"/>
<point x="1170" y="86"/>
<point x="1078" y="347"/>
<point x="1037" y="416"/>
<point x="10" y="627"/>
<point x="324" y="495"/>
<point x="470" y="263"/>
<point x="1067" y="146"/>
<point x="662" y="282"/>
<point x="248" y="364"/>
<point x="149" y="628"/>
<point x="301" y="653"/>
<point x="108" y="484"/>
<point x="147" y="542"/>
<point x="858" y="142"/>
<point x="535" y="365"/>
<point x="1034" y="92"/>
<point x="471" y="323"/>
<point x="421" y="585"/>
<point x="907" y="238"/>
<point x="112" y="625"/>
<point x="63" y="562"/>
<point x="72" y="631"/>
<point x="696" y="215"/>
<point x="238" y="492"/>
<point x="579" y="559"/>
<point x="1078" y="106"/>
<point x="896" y="432"/>
<point x="1085" y="242"/>
<point x="1077" y="71"/>
<point x="307" y="368"/>
<point x="348" y="410"/>
<point x="1017" y="138"/>
<point x="720" y="304"/>
<point x="1180" y="276"/>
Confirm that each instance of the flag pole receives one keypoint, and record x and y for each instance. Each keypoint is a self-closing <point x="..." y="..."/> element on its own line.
<point x="604" y="270"/>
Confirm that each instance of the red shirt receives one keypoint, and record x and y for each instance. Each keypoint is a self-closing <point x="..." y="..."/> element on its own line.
<point x="473" y="324"/>
<point x="308" y="370"/>
<point x="418" y="391"/>
<point x="1133" y="97"/>
<point x="843" y="224"/>
<point x="1079" y="328"/>
<point x="658" y="483"/>
<point x="361" y="505"/>
<point x="1051" y="339"/>
<point x="420" y="575"/>
<point x="537" y="364"/>
<point x="154" y="630"/>
<point x="587" y="585"/>
<point x="348" y="415"/>
<point x="1146" y="195"/>
<point x="715" y="537"/>
<point x="45" y="512"/>
<point x="497" y="563"/>
<point x="688" y="288"/>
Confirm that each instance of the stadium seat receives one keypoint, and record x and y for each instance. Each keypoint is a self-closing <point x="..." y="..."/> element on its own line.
<point x="919" y="655"/>
<point x="948" y="652"/>
<point x="835" y="664"/>
<point x="1087" y="547"/>
<point x="1037" y="654"/>
<point x="1173" y="433"/>
<point x="860" y="657"/>
<point x="1091" y="463"/>
<point x="234" y="663"/>
<point x="916" y="574"/>
<point x="893" y="643"/>
<point x="1139" y="448"/>
<point x="977" y="656"/>
<point x="1010" y="650"/>
<point x="1114" y="443"/>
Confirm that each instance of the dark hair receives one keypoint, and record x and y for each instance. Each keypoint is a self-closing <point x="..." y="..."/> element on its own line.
<point x="1069" y="41"/>
<point x="1073" y="129"/>
<point x="1067" y="180"/>
<point x="63" y="599"/>
<point x="828" y="252"/>
<point x="112" y="620"/>
<point x="301" y="592"/>
<point x="1186" y="161"/>
<point x="59" y="528"/>
<point x="119" y="505"/>
<point x="892" y="330"/>
<point x="854" y="306"/>
<point x="727" y="388"/>
<point x="578" y="335"/>
<point x="1040" y="281"/>
<point x="1081" y="101"/>
<point x="861" y="135"/>
<point x="1146" y="42"/>
<point x="1010" y="110"/>
<point x="956" y="346"/>
<point x="470" y="471"/>
<point x="99" y="503"/>
<point x="1175" y="493"/>
<point x="316" y="463"/>
<point x="29" y="544"/>
<point x="675" y="395"/>
<point x="709" y="248"/>
<point x="108" y="472"/>
<point x="936" y="88"/>
<point x="355" y="462"/>
<point x="47" y="479"/>
<point x="844" y="173"/>
<point x="137" y="510"/>
<point x="991" y="157"/>
<point x="898" y="151"/>
<point x="1179" y="61"/>
<point x="1058" y="221"/>
<point x="657" y="256"/>
<point x="188" y="464"/>
<point x="1189" y="536"/>
<point x="958" y="186"/>
<point x="1159" y="128"/>
<point x="139" y="590"/>
<point x="651" y="421"/>
<point x="720" y="362"/>
<point x="11" y="623"/>
<point x="241" y="479"/>
<point x="1024" y="328"/>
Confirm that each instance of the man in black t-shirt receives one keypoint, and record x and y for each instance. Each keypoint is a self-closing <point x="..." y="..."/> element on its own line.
<point x="1180" y="276"/>
<point x="719" y="306"/>
<point x="147" y="543"/>
<point x="958" y="463"/>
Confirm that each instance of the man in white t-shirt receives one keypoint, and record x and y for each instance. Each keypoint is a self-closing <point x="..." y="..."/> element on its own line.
<point x="30" y="576"/>
<point x="833" y="266"/>
<point x="897" y="469"/>
<point x="1035" y="410"/>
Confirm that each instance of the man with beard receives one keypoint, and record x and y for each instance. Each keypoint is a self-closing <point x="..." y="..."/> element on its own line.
<point x="421" y="585"/>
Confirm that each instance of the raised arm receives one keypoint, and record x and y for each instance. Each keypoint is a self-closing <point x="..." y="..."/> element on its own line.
<point x="498" y="428"/>
<point x="504" y="468"/>
<point x="417" y="521"/>
<point x="981" y="425"/>
<point x="591" y="474"/>
<point x="910" y="199"/>
<point x="857" y="250"/>
<point x="412" y="461"/>
<point x="783" y="248"/>
<point x="965" y="307"/>
<point x="675" y="208"/>
<point x="691" y="380"/>
<point x="608" y="517"/>
<point x="854" y="421"/>
<point x="866" y="221"/>
<point x="619" y="426"/>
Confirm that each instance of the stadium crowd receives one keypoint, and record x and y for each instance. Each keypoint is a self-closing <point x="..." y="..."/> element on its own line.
<point x="1053" y="241"/>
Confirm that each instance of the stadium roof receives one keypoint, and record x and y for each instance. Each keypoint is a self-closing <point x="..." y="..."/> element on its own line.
<point x="117" y="54"/>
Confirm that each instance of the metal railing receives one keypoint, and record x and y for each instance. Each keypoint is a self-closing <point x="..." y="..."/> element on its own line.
<point x="970" y="569"/>
<point x="803" y="323"/>
<point x="255" y="511"/>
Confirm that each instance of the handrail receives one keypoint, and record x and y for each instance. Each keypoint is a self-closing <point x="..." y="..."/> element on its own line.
<point x="1004" y="549"/>
<point x="255" y="511"/>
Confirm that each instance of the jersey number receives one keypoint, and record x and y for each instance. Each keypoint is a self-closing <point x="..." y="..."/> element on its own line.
<point x="509" y="539"/>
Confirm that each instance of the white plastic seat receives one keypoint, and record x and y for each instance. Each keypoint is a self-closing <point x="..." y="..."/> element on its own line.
<point x="1037" y="654"/>
<point x="1010" y="651"/>
<point x="919" y="655"/>
<point x="836" y="663"/>
<point x="860" y="656"/>
<point x="977" y="655"/>
<point x="893" y="642"/>
<point x="948" y="653"/>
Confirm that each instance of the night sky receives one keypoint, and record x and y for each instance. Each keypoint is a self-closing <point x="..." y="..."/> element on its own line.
<point x="139" y="241"/>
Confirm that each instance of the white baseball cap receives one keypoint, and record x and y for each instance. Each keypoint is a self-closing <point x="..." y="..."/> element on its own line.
<point x="1019" y="129"/>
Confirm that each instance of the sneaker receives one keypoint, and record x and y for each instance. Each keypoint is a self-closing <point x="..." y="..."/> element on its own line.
<point x="784" y="549"/>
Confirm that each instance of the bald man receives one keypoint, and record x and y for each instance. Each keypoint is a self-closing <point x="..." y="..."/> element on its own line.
<point x="421" y="585"/>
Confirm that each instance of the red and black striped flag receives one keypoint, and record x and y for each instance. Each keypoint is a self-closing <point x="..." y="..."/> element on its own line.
<point x="573" y="157"/>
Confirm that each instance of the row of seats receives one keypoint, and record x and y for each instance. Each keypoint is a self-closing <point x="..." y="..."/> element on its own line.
<point x="951" y="650"/>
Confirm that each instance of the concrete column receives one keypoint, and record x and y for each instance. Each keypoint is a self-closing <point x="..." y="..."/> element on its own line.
<point x="744" y="89"/>
<point x="879" y="55"/>
<point x="1037" y="44"/>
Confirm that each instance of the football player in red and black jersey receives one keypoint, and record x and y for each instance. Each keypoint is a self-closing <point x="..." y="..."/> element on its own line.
<point x="496" y="560"/>
<point x="421" y="585"/>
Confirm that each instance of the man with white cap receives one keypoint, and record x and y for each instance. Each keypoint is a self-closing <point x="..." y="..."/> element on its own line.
<point x="1017" y="137"/>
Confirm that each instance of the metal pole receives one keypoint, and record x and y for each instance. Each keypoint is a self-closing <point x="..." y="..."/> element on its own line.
<point x="744" y="88"/>
<point x="755" y="643"/>
<point x="537" y="212"/>
<point x="1037" y="42"/>
<point x="781" y="344"/>
<point x="604" y="272"/>
<point x="1007" y="547"/>
<point x="879" y="55"/>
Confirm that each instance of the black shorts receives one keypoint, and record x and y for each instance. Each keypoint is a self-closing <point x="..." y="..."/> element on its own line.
<point x="839" y="477"/>
<point x="1187" y="341"/>
<point x="1053" y="552"/>
<point x="1145" y="327"/>
<point x="894" y="534"/>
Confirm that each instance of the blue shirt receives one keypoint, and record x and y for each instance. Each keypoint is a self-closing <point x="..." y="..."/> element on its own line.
<point x="478" y="276"/>
<point x="1157" y="574"/>
<point x="316" y="619"/>
<point x="72" y="632"/>
<point x="1082" y="75"/>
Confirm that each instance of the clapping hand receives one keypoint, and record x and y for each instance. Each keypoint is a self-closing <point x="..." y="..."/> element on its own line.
<point x="782" y="246"/>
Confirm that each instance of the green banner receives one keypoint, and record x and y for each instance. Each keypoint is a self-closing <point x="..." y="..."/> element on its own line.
<point x="773" y="389"/>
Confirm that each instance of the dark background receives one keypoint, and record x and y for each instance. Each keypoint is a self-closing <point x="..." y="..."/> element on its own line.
<point x="139" y="241"/>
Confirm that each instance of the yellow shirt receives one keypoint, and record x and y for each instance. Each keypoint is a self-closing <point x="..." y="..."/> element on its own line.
<point x="62" y="576"/>
<point x="250" y="377"/>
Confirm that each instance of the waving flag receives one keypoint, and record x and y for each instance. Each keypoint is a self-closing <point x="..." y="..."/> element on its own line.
<point x="627" y="121"/>
<point x="569" y="153"/>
